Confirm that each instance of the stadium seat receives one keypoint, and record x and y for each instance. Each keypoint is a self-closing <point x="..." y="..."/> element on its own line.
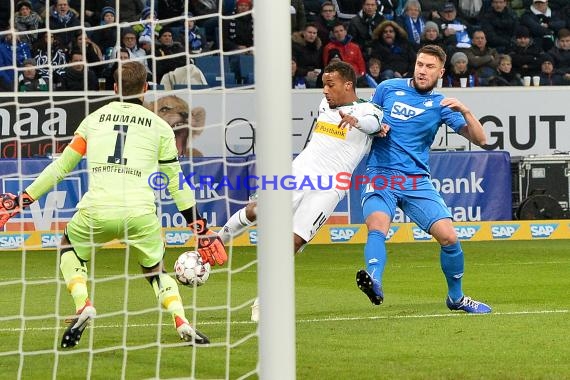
<point x="232" y="66"/>
<point x="199" y="86"/>
<point x="246" y="65"/>
<point x="209" y="64"/>
<point x="215" y="80"/>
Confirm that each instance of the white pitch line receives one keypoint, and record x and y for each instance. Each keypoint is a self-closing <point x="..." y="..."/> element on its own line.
<point x="421" y="316"/>
<point x="317" y="320"/>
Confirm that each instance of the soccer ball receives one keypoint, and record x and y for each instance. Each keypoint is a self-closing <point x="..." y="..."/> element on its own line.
<point x="190" y="270"/>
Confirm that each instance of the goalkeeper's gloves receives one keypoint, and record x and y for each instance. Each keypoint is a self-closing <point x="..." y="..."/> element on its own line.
<point x="210" y="246"/>
<point x="11" y="205"/>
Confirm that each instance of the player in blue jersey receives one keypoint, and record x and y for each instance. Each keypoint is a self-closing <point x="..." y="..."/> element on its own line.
<point x="398" y="166"/>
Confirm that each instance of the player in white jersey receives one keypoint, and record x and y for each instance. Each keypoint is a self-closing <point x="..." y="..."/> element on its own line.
<point x="333" y="152"/>
<point x="341" y="137"/>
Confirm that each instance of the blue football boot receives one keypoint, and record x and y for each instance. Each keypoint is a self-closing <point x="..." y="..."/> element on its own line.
<point x="370" y="287"/>
<point x="468" y="305"/>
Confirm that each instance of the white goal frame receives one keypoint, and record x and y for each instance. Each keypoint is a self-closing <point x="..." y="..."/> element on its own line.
<point x="275" y="245"/>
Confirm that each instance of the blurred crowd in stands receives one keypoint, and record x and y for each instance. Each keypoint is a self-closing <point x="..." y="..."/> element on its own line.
<point x="70" y="45"/>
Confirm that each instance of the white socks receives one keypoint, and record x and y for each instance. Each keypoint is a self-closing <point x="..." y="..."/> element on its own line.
<point x="235" y="226"/>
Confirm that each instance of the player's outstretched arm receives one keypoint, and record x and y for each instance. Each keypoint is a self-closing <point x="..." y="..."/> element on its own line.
<point x="12" y="204"/>
<point x="58" y="169"/>
<point x="369" y="123"/>
<point x="473" y="131"/>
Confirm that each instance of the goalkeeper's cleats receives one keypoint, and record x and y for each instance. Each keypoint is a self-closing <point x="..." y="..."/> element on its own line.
<point x="468" y="305"/>
<point x="73" y="333"/>
<point x="370" y="287"/>
<point x="255" y="310"/>
<point x="189" y="334"/>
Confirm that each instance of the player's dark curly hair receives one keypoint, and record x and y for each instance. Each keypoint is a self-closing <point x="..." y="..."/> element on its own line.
<point x="435" y="51"/>
<point x="345" y="71"/>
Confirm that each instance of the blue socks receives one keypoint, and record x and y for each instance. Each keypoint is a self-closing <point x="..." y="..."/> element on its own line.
<point x="452" y="265"/>
<point x="451" y="256"/>
<point x="375" y="254"/>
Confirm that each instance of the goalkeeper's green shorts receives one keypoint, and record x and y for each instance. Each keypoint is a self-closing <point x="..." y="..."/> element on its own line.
<point x="88" y="231"/>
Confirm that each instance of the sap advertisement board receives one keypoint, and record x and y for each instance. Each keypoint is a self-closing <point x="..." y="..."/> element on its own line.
<point x="475" y="186"/>
<point x="516" y="120"/>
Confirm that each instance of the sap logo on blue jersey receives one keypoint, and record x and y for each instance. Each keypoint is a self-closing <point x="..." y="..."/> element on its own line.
<point x="177" y="237"/>
<point x="504" y="231"/>
<point x="253" y="237"/>
<point x="344" y="234"/>
<point x="420" y="234"/>
<point x="12" y="241"/>
<point x="466" y="232"/>
<point x="391" y="232"/>
<point x="50" y="240"/>
<point x="542" y="230"/>
<point x="404" y="111"/>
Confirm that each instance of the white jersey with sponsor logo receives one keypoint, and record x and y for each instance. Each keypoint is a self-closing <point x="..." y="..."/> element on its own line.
<point x="333" y="150"/>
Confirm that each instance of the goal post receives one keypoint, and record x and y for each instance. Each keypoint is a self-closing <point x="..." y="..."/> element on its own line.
<point x="275" y="246"/>
<point x="236" y="124"/>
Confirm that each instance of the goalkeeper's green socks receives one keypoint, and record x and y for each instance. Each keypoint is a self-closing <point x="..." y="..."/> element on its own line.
<point x="75" y="275"/>
<point x="166" y="291"/>
<point x="235" y="226"/>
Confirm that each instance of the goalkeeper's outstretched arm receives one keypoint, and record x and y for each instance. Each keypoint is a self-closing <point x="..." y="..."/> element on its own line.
<point x="57" y="170"/>
<point x="210" y="245"/>
<point x="11" y="204"/>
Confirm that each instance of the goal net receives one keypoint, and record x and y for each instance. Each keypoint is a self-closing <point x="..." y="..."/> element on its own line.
<point x="56" y="73"/>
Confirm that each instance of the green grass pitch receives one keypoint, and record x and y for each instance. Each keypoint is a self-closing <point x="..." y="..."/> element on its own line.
<point x="340" y="335"/>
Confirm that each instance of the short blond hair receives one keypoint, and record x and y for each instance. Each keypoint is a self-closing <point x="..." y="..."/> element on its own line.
<point x="131" y="79"/>
<point x="505" y="58"/>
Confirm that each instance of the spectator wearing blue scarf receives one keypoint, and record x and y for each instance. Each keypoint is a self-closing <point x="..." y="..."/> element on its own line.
<point x="7" y="65"/>
<point x="413" y="22"/>
<point x="196" y="39"/>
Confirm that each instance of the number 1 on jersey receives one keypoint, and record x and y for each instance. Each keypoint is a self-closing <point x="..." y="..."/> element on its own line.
<point x="117" y="158"/>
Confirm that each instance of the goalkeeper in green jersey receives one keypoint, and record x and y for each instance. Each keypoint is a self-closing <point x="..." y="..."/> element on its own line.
<point x="125" y="145"/>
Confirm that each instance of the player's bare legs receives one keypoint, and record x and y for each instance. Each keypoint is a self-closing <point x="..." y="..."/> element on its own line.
<point x="298" y="243"/>
<point x="443" y="232"/>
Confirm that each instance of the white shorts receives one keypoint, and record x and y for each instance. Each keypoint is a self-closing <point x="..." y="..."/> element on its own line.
<point x="311" y="209"/>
